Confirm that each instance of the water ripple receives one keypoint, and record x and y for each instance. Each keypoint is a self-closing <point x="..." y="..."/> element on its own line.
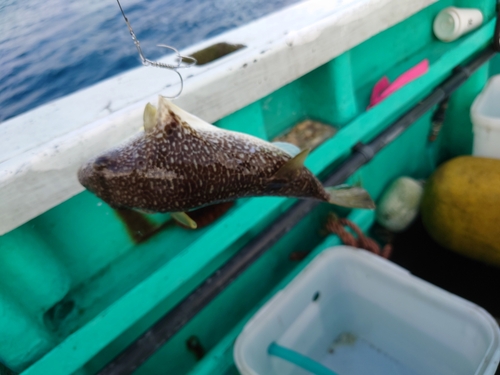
<point x="50" y="48"/>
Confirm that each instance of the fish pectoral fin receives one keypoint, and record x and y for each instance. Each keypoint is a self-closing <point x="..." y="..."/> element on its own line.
<point x="350" y="196"/>
<point x="289" y="148"/>
<point x="184" y="219"/>
<point x="292" y="167"/>
<point x="149" y="117"/>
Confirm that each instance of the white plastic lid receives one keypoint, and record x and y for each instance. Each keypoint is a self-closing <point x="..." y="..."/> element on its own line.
<point x="452" y="22"/>
<point x="447" y="25"/>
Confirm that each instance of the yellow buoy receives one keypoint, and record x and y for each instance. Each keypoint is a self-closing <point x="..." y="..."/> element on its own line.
<point x="461" y="207"/>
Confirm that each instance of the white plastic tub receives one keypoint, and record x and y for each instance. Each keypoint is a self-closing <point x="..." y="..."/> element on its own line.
<point x="485" y="116"/>
<point x="359" y="314"/>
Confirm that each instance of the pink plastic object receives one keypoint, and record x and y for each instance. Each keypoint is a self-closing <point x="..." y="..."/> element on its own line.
<point x="383" y="88"/>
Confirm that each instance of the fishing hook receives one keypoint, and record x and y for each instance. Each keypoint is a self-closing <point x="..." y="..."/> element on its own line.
<point x="188" y="61"/>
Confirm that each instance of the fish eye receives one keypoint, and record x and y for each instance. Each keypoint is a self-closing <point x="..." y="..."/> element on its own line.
<point x="101" y="162"/>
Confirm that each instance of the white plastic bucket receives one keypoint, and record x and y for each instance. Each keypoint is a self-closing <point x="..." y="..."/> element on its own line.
<point x="357" y="314"/>
<point x="485" y="116"/>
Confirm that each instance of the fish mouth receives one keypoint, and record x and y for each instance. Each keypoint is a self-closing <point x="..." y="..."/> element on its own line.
<point x="92" y="176"/>
<point x="89" y="174"/>
<point x="84" y="175"/>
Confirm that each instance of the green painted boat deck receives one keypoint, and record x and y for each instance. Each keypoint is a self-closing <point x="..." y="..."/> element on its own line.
<point x="76" y="289"/>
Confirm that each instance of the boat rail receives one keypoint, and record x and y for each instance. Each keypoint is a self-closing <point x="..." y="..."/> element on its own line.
<point x="41" y="150"/>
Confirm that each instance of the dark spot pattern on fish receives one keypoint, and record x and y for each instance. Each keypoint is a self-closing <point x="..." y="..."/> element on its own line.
<point x="176" y="167"/>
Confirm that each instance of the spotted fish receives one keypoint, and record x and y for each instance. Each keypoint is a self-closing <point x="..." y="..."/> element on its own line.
<point x="180" y="163"/>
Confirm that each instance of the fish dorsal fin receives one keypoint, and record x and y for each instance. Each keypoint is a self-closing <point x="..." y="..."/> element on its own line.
<point x="149" y="117"/>
<point x="172" y="119"/>
<point x="289" y="148"/>
<point x="167" y="110"/>
<point x="292" y="167"/>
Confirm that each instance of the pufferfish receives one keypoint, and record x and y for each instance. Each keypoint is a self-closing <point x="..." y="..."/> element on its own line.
<point x="180" y="163"/>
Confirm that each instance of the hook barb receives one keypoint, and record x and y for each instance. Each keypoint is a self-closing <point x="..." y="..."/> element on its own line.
<point x="182" y="61"/>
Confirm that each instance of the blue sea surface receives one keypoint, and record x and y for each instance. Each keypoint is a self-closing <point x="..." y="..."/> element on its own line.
<point x="51" y="48"/>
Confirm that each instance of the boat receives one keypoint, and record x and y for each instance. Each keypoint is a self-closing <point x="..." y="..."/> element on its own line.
<point x="86" y="290"/>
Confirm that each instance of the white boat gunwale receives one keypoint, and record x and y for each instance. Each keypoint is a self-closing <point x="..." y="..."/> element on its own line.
<point x="41" y="150"/>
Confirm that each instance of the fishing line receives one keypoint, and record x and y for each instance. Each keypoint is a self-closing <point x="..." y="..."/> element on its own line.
<point x="182" y="61"/>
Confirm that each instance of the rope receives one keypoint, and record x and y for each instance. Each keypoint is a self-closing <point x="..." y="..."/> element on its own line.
<point x="336" y="226"/>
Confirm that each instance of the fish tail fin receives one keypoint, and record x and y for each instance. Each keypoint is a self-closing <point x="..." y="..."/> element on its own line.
<point x="350" y="196"/>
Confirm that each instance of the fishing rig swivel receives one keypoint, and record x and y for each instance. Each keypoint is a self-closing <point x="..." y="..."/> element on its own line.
<point x="182" y="61"/>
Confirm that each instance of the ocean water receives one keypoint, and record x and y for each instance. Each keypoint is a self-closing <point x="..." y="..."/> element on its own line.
<point x="50" y="48"/>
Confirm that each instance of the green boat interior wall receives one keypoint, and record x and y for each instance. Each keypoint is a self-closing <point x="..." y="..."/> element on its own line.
<point x="76" y="288"/>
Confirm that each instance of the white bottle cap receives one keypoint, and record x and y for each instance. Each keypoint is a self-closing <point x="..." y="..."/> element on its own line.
<point x="451" y="22"/>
